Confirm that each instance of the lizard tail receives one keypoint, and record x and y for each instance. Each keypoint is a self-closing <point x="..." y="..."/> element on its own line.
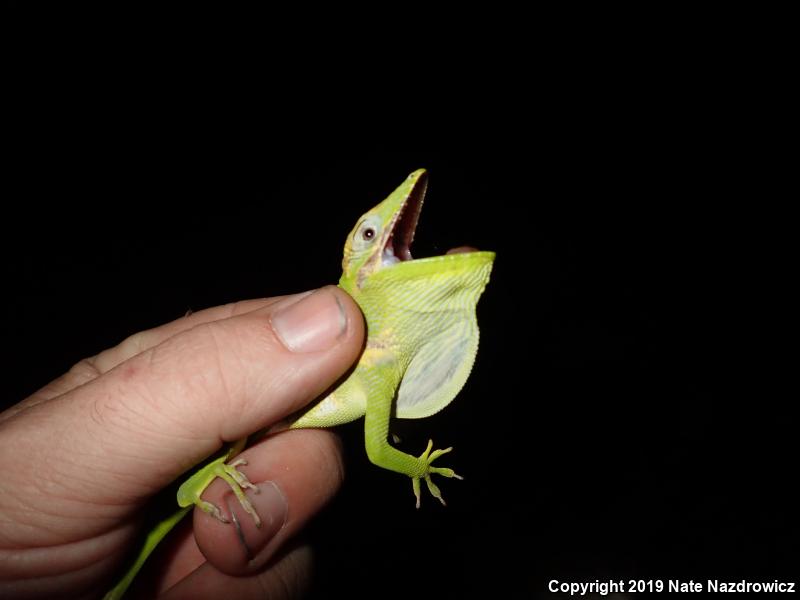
<point x="148" y="545"/>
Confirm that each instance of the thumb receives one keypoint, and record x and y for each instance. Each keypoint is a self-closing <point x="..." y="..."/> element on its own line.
<point x="132" y="430"/>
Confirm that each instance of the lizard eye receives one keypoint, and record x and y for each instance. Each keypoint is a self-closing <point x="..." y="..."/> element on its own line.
<point x="367" y="233"/>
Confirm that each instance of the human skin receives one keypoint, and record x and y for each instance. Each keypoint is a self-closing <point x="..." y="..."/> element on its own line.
<point x="81" y="458"/>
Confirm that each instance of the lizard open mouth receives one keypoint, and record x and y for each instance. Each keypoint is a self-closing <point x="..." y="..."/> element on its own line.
<point x="401" y="232"/>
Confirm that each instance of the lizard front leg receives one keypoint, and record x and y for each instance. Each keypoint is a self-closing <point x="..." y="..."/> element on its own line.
<point x="383" y="454"/>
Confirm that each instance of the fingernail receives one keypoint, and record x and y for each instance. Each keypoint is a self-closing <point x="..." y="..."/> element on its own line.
<point x="272" y="508"/>
<point x="311" y="324"/>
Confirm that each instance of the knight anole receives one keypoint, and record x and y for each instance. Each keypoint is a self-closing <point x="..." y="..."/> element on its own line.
<point x="422" y="337"/>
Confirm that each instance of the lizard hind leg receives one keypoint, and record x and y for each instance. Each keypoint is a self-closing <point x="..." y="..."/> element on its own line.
<point x="238" y="482"/>
<point x="189" y="493"/>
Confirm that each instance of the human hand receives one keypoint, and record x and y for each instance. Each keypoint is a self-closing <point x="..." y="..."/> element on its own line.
<point x="82" y="456"/>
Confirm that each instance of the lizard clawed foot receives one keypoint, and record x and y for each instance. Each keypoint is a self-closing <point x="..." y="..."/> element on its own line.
<point x="427" y="458"/>
<point x="238" y="482"/>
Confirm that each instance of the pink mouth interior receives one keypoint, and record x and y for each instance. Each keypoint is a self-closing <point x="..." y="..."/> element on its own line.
<point x="398" y="246"/>
<point x="461" y="250"/>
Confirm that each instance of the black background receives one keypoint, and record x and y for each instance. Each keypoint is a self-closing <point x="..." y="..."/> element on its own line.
<point x="616" y="424"/>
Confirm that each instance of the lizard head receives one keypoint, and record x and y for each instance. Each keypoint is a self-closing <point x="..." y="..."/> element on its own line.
<point x="383" y="236"/>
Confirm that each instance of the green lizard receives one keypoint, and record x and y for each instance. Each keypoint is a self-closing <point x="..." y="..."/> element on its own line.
<point x="422" y="337"/>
